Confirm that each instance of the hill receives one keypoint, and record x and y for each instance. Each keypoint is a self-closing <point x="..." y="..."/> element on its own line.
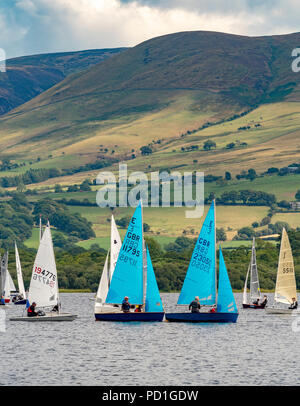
<point x="28" y="76"/>
<point x="171" y="92"/>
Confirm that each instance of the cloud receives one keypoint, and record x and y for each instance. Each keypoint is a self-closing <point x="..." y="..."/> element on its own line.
<point x="36" y="26"/>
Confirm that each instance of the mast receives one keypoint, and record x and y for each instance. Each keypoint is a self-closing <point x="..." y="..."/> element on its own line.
<point x="40" y="232"/>
<point x="215" y="251"/>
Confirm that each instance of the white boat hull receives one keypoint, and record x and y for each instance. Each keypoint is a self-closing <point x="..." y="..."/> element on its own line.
<point x="47" y="317"/>
<point x="274" y="310"/>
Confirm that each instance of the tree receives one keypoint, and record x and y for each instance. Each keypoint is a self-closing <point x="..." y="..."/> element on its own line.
<point x="297" y="195"/>
<point x="230" y="145"/>
<point x="209" y="144"/>
<point x="227" y="175"/>
<point x="58" y="188"/>
<point x="251" y="174"/>
<point x="145" y="150"/>
<point x="220" y="234"/>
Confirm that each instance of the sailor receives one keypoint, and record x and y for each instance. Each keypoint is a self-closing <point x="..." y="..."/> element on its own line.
<point x="55" y="308"/>
<point x="195" y="305"/>
<point x="126" y="305"/>
<point x="138" y="309"/>
<point x="31" y="310"/>
<point x="256" y="302"/>
<point x="265" y="301"/>
<point x="294" y="305"/>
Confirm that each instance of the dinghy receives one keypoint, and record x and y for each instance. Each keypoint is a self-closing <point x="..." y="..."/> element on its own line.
<point x="108" y="270"/>
<point x="285" y="289"/>
<point x="255" y="293"/>
<point x="201" y="280"/>
<point x="43" y="288"/>
<point x="20" y="298"/>
<point x="133" y="277"/>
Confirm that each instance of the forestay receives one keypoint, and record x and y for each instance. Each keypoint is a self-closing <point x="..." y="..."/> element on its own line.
<point x="200" y="279"/>
<point x="285" y="288"/>
<point x="44" y="286"/>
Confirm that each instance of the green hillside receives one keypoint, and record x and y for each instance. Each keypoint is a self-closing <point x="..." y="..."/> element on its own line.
<point x="28" y="76"/>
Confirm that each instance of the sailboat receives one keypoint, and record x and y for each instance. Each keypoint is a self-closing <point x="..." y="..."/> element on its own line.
<point x="254" y="283"/>
<point x="108" y="270"/>
<point x="21" y="296"/>
<point x="134" y="277"/>
<point x="285" y="289"/>
<point x="3" y="285"/>
<point x="43" y="288"/>
<point x="201" y="280"/>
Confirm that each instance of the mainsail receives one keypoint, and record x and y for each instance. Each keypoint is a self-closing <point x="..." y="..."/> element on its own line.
<point x="285" y="289"/>
<point x="5" y="291"/>
<point x="254" y="281"/>
<point x="127" y="279"/>
<point x="226" y="302"/>
<point x="200" y="279"/>
<point x="43" y="286"/>
<point x="12" y="287"/>
<point x="19" y="273"/>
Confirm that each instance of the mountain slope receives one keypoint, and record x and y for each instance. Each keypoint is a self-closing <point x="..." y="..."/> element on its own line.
<point x="28" y="76"/>
<point x="156" y="91"/>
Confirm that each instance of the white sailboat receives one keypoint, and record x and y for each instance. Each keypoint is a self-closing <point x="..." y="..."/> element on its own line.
<point x="285" y="289"/>
<point x="5" y="279"/>
<point x="43" y="288"/>
<point x="107" y="272"/>
<point x="254" y="283"/>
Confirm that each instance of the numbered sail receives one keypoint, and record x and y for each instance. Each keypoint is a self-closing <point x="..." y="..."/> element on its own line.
<point x="226" y="302"/>
<point x="153" y="300"/>
<point x="200" y="279"/>
<point x="19" y="273"/>
<point x="104" y="283"/>
<point x="115" y="246"/>
<point x="285" y="289"/>
<point x="127" y="279"/>
<point x="254" y="282"/>
<point x="43" y="286"/>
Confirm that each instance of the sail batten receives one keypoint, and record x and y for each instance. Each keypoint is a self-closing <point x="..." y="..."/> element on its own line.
<point x="200" y="279"/>
<point x="285" y="289"/>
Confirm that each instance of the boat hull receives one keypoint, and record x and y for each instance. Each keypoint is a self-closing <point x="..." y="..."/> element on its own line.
<point x="20" y="302"/>
<point x="47" y="317"/>
<point x="274" y="310"/>
<point x="126" y="317"/>
<point x="202" y="317"/>
<point x="252" y="306"/>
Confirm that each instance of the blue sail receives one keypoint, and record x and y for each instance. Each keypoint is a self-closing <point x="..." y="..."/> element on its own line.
<point x="200" y="279"/>
<point x="226" y="302"/>
<point x="127" y="279"/>
<point x="153" y="300"/>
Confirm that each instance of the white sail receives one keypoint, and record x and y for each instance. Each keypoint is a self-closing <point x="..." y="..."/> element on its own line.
<point x="115" y="246"/>
<point x="19" y="273"/>
<point x="44" y="285"/>
<point x="104" y="284"/>
<point x="245" y="301"/>
<point x="254" y="281"/>
<point x="11" y="283"/>
<point x="285" y="288"/>
<point x="5" y="290"/>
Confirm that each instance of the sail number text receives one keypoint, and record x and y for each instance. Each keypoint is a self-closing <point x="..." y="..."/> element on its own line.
<point x="44" y="276"/>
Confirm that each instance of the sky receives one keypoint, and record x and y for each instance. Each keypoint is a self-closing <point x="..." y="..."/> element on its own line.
<point x="38" y="26"/>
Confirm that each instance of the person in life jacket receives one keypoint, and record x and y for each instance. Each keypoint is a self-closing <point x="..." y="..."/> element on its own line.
<point x="195" y="305"/>
<point x="126" y="305"/>
<point x="31" y="310"/>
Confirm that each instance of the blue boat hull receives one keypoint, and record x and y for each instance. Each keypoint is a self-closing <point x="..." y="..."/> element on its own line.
<point x="129" y="316"/>
<point x="202" y="317"/>
<point x="20" y="302"/>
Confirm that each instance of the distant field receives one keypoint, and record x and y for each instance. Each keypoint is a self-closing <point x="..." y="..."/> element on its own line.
<point x="33" y="241"/>
<point x="293" y="219"/>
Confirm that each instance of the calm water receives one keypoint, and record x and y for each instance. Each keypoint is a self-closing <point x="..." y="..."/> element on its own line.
<point x="259" y="349"/>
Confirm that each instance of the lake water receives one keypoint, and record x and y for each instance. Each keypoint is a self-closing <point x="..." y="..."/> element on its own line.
<point x="259" y="349"/>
